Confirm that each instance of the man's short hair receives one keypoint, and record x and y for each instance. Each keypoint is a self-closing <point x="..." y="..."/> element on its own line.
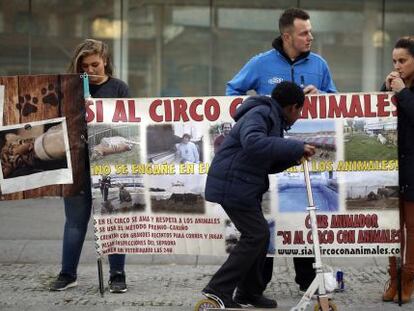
<point x="288" y="94"/>
<point x="288" y="17"/>
<point x="224" y="123"/>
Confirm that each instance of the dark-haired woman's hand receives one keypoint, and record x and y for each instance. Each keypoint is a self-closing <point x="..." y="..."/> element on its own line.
<point x="391" y="76"/>
<point x="397" y="84"/>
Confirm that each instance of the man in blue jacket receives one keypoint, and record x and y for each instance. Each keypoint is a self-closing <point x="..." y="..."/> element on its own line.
<point x="237" y="179"/>
<point x="289" y="60"/>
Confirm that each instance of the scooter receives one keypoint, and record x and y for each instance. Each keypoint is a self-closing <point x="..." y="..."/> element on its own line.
<point x="212" y="302"/>
<point x="318" y="284"/>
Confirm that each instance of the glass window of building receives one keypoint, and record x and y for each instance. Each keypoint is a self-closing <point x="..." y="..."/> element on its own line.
<point x="193" y="47"/>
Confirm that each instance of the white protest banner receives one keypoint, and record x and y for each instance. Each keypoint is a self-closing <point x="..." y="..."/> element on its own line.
<point x="150" y="158"/>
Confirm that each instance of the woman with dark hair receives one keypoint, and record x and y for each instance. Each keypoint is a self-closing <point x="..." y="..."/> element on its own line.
<point x="401" y="81"/>
<point x="91" y="57"/>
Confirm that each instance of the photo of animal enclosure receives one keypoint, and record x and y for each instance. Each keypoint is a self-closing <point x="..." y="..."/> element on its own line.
<point x="293" y="196"/>
<point x="117" y="194"/>
<point x="177" y="193"/>
<point x="371" y="190"/>
<point x="319" y="133"/>
<point x="370" y="139"/>
<point x="113" y="144"/>
<point x="177" y="143"/>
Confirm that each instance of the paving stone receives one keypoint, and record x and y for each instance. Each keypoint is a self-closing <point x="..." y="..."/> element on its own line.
<point x="169" y="287"/>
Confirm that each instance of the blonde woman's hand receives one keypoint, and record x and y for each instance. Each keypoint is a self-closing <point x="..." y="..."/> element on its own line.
<point x="89" y="102"/>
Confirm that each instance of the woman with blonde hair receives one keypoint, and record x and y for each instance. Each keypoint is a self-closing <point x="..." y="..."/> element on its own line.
<point x="401" y="81"/>
<point x="91" y="57"/>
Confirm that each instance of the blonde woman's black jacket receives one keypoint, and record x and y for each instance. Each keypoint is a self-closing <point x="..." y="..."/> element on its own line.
<point x="255" y="147"/>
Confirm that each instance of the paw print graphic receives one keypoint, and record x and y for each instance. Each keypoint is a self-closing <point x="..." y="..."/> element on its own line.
<point x="27" y="105"/>
<point x="51" y="95"/>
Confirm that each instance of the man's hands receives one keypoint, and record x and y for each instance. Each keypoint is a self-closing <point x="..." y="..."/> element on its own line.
<point x="310" y="89"/>
<point x="394" y="82"/>
<point x="309" y="151"/>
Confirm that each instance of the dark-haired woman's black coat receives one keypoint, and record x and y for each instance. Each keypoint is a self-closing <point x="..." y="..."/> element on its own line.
<point x="405" y="104"/>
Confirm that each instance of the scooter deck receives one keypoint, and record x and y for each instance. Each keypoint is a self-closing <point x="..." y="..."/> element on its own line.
<point x="217" y="304"/>
<point x="243" y="309"/>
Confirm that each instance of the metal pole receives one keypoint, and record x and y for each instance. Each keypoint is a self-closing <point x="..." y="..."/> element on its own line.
<point x="100" y="277"/>
<point x="312" y="215"/>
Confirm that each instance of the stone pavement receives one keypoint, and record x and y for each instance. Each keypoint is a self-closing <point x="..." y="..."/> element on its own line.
<point x="30" y="250"/>
<point x="170" y="287"/>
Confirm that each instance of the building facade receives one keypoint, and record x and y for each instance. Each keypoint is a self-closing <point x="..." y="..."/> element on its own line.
<point x="193" y="47"/>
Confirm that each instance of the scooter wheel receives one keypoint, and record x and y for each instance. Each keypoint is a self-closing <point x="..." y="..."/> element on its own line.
<point x="205" y="304"/>
<point x="332" y="307"/>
